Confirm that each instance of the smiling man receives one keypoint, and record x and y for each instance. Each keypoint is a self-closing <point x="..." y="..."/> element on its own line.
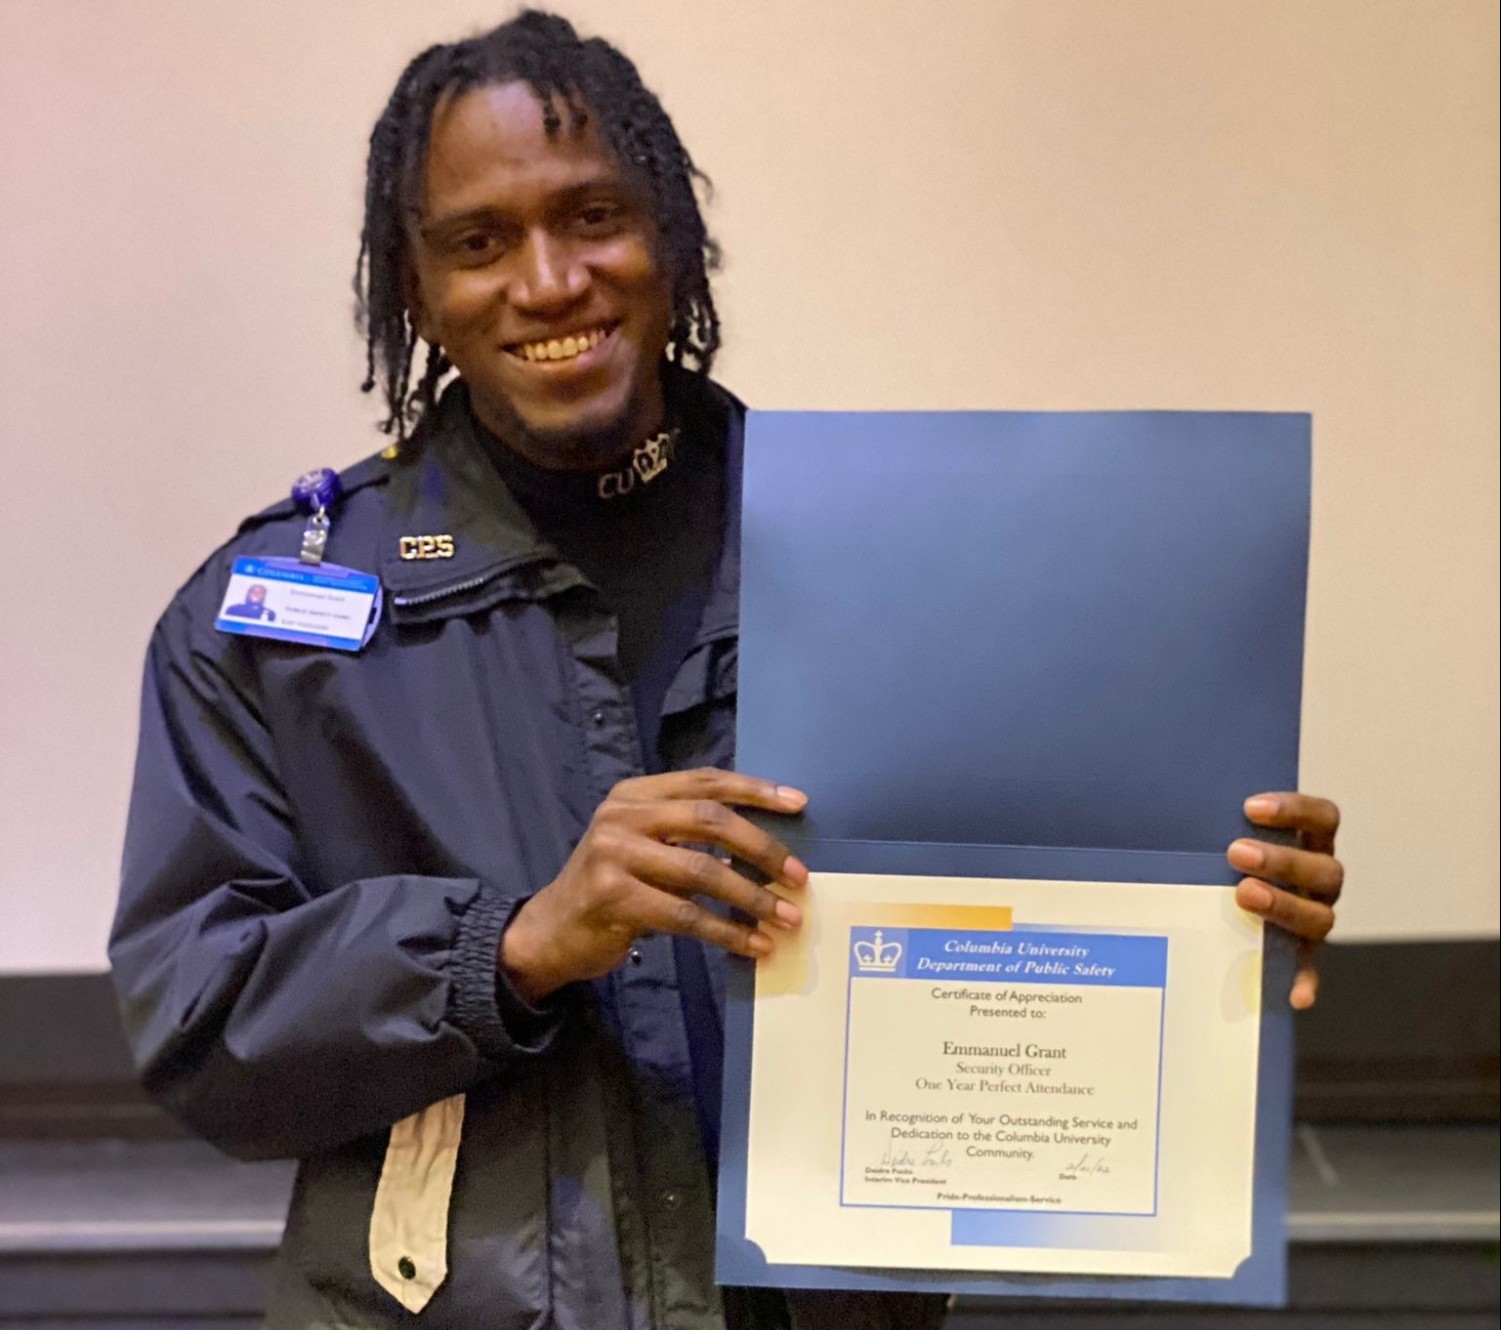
<point x="536" y="267"/>
<point x="445" y="918"/>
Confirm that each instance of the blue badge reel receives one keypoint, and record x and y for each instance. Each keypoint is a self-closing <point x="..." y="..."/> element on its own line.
<point x="303" y="600"/>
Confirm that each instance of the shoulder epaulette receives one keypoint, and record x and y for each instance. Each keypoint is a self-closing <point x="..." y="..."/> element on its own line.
<point x="364" y="473"/>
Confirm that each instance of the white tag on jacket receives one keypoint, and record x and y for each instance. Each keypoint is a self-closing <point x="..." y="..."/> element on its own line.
<point x="409" y="1224"/>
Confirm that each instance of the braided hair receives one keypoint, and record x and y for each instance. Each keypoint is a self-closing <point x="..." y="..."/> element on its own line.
<point x="583" y="79"/>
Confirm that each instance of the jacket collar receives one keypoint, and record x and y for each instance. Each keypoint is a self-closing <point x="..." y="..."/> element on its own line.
<point x="450" y="488"/>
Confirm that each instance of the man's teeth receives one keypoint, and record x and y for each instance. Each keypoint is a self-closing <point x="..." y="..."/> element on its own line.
<point x="563" y="348"/>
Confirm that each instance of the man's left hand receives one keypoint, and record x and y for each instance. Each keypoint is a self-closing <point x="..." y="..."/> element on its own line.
<point x="1292" y="887"/>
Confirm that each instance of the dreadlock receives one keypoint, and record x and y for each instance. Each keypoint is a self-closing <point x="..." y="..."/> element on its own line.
<point x="584" y="78"/>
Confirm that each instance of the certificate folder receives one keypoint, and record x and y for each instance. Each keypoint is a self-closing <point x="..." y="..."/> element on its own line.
<point x="1049" y="646"/>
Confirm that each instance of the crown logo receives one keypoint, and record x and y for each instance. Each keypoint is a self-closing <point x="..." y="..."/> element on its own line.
<point x="878" y="957"/>
<point x="653" y="457"/>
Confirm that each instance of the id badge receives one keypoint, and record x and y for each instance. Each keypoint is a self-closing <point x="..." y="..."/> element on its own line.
<point x="286" y="600"/>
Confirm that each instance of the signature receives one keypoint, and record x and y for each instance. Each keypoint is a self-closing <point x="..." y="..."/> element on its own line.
<point x="935" y="1156"/>
<point x="1087" y="1166"/>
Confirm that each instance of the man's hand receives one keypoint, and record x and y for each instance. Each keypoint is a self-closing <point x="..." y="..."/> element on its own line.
<point x="1294" y="888"/>
<point x="632" y="873"/>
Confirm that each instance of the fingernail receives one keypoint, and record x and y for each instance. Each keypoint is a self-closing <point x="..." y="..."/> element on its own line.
<point x="788" y="914"/>
<point x="1254" y="896"/>
<point x="1260" y="806"/>
<point x="760" y="944"/>
<point x="1246" y="855"/>
<point x="796" y="869"/>
<point x="788" y="795"/>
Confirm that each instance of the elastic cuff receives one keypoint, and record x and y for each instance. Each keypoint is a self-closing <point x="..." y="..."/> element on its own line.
<point x="482" y="1003"/>
<point x="531" y="1027"/>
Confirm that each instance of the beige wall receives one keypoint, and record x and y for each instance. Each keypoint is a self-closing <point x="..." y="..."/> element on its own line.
<point x="1285" y="204"/>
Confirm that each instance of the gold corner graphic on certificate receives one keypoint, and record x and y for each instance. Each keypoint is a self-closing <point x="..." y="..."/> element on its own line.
<point x="968" y="918"/>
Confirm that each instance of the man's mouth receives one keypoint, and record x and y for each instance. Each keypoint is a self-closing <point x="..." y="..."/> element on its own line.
<point x="562" y="348"/>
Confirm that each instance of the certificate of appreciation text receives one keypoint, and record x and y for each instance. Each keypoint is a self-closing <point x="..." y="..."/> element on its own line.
<point x="1031" y="1085"/>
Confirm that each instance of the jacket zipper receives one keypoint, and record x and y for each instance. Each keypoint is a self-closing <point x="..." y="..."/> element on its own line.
<point x="457" y="588"/>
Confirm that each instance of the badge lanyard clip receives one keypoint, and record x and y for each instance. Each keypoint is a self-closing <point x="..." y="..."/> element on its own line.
<point x="314" y="492"/>
<point x="314" y="536"/>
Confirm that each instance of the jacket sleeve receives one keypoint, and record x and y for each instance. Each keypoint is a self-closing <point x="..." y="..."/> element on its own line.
<point x="272" y="1021"/>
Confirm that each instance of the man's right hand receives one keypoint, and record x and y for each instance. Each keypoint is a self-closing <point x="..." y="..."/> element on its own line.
<point x="632" y="873"/>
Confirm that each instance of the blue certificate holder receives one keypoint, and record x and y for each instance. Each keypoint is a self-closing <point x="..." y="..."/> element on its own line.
<point x="1061" y="646"/>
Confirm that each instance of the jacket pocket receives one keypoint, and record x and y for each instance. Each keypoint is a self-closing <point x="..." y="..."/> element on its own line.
<point x="499" y="1255"/>
<point x="325" y="1242"/>
<point x="495" y="1249"/>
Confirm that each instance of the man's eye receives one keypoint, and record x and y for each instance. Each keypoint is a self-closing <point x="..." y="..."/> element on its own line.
<point x="600" y="215"/>
<point x="475" y="247"/>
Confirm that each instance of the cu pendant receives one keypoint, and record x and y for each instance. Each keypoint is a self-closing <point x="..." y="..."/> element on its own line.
<point x="648" y="462"/>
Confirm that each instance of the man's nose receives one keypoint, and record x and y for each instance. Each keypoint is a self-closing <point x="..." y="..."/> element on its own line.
<point x="548" y="274"/>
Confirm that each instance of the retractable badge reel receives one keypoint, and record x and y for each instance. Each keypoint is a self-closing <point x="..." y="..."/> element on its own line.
<point x="315" y="492"/>
<point x="304" y="600"/>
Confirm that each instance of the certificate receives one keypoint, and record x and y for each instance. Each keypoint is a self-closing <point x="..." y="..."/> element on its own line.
<point x="1027" y="665"/>
<point x="1007" y="1075"/>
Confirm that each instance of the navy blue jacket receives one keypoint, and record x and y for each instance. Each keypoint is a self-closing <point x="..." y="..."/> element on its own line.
<point x="323" y="851"/>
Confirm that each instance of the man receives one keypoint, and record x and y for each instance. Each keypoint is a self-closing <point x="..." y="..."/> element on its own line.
<point x="253" y="606"/>
<point x="446" y="919"/>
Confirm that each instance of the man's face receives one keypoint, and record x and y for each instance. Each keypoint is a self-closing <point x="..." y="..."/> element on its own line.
<point x="536" y="270"/>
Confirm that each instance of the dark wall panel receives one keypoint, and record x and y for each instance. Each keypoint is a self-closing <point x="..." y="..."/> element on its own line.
<point x="1403" y="1032"/>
